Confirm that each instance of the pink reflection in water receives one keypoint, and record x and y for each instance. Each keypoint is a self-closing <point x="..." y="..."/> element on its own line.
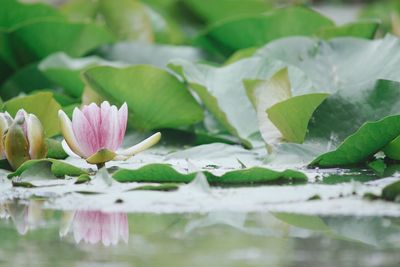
<point x="95" y="226"/>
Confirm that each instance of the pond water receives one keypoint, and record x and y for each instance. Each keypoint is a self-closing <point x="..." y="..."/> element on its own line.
<point x="31" y="237"/>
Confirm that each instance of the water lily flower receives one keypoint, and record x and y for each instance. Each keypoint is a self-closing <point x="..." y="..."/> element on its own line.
<point x="95" y="226"/>
<point x="23" y="138"/>
<point x="96" y="133"/>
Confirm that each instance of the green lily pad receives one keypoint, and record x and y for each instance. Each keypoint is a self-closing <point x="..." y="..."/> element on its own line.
<point x="13" y="13"/>
<point x="362" y="29"/>
<point x="101" y="156"/>
<point x="212" y="11"/>
<point x="65" y="71"/>
<point x="25" y="80"/>
<point x="34" y="41"/>
<point x="292" y="116"/>
<point x="58" y="168"/>
<point x="164" y="173"/>
<point x="128" y="19"/>
<point x="391" y="192"/>
<point x="222" y="91"/>
<point x="156" y="99"/>
<point x="361" y="145"/>
<point x="341" y="64"/>
<point x="158" y="55"/>
<point x="55" y="149"/>
<point x="231" y="35"/>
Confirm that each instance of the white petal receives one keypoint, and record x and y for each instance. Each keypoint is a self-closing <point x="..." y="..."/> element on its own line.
<point x="68" y="150"/>
<point x="145" y="144"/>
<point x="36" y="138"/>
<point x="68" y="133"/>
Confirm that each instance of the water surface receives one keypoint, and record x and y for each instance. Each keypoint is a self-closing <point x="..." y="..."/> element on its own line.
<point x="32" y="237"/>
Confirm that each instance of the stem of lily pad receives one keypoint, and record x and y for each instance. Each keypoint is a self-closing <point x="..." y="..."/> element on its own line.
<point x="100" y="165"/>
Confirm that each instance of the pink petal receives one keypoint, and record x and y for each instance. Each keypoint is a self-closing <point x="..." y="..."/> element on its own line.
<point x="104" y="126"/>
<point x="84" y="134"/>
<point x="109" y="129"/>
<point x="93" y="115"/>
<point x="95" y="226"/>
<point x="124" y="227"/>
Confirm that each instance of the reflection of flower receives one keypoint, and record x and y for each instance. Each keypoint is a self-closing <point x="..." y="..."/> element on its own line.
<point x="96" y="132"/>
<point x="95" y="226"/>
<point x="22" y="138"/>
<point x="3" y="212"/>
<point x="25" y="217"/>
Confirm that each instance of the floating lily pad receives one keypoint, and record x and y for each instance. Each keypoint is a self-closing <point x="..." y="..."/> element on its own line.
<point x="164" y="173"/>
<point x="58" y="168"/>
<point x="358" y="147"/>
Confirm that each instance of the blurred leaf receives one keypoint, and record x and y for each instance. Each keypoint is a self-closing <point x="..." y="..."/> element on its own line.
<point x="14" y="13"/>
<point x="42" y="105"/>
<point x="153" y="54"/>
<point x="212" y="11"/>
<point x="25" y="80"/>
<point x="37" y="40"/>
<point x="165" y="29"/>
<point x="229" y="36"/>
<point x="156" y="99"/>
<point x="382" y="11"/>
<point x="241" y="54"/>
<point x="366" y="29"/>
<point x="79" y="10"/>
<point x="65" y="71"/>
<point x="128" y="19"/>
